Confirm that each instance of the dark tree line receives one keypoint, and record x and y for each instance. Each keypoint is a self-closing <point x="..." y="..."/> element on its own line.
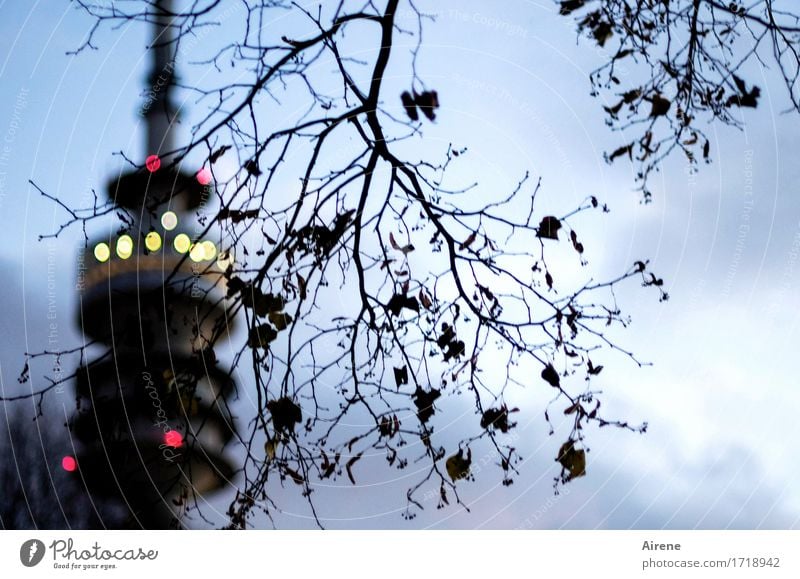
<point x="35" y="492"/>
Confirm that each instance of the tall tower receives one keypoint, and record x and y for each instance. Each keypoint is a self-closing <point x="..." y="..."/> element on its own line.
<point x="151" y="418"/>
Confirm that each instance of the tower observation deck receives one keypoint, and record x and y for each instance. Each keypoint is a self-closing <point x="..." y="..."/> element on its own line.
<point x="151" y="416"/>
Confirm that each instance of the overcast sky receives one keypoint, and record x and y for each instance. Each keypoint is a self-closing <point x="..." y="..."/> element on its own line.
<point x="722" y="393"/>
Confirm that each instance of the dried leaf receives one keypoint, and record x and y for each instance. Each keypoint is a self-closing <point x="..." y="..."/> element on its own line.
<point x="570" y="6"/>
<point x="285" y="414"/>
<point x="573" y="460"/>
<point x="270" y="447"/>
<point x="251" y="166"/>
<point x="261" y="336"/>
<point x="409" y="105"/>
<point x="424" y="400"/>
<point x="428" y="102"/>
<point x="468" y="241"/>
<point x="400" y="301"/>
<point x="660" y="105"/>
<point x="550" y="376"/>
<point x="280" y="320"/>
<point x="218" y="153"/>
<point x="548" y="228"/>
<point x="458" y="466"/>
<point x="294" y="475"/>
<point x="625" y="150"/>
<point x="401" y="376"/>
<point x="425" y="300"/>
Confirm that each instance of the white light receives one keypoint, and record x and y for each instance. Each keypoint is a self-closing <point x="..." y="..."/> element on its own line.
<point x="125" y="246"/>
<point x="169" y="221"/>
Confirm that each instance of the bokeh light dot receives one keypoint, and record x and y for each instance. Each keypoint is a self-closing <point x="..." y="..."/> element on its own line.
<point x="169" y="221"/>
<point x="102" y="252"/>
<point x="182" y="243"/>
<point x="209" y="250"/>
<point x="196" y="254"/>
<point x="173" y="438"/>
<point x="204" y="176"/>
<point x="125" y="246"/>
<point x="153" y="163"/>
<point x="69" y="464"/>
<point x="152" y="241"/>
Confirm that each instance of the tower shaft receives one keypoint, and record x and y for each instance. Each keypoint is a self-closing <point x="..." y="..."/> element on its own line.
<point x="161" y="113"/>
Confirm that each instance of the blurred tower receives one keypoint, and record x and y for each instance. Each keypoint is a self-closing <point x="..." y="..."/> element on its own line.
<point x="151" y="414"/>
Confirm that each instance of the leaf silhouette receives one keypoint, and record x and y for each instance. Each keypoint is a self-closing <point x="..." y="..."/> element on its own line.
<point x="550" y="376"/>
<point x="296" y="477"/>
<point x="572" y="460"/>
<point x="660" y="105"/>
<point x="468" y="241"/>
<point x="401" y="376"/>
<point x="428" y="102"/>
<point x="400" y="301"/>
<point x="424" y="402"/>
<point x="285" y="414"/>
<point x="458" y="466"/>
<point x="548" y="228"/>
<point x="410" y="106"/>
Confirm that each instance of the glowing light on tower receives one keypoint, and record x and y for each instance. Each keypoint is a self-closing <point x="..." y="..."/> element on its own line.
<point x="173" y="439"/>
<point x="169" y="221"/>
<point x="69" y="464"/>
<point x="153" y="163"/>
<point x="125" y="246"/>
<point x="209" y="250"/>
<point x="152" y="241"/>
<point x="196" y="254"/>
<point x="182" y="243"/>
<point x="204" y="176"/>
<point x="102" y="252"/>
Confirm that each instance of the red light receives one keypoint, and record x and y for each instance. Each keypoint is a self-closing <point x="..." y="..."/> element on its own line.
<point x="153" y="163"/>
<point x="204" y="176"/>
<point x="69" y="464"/>
<point x="173" y="438"/>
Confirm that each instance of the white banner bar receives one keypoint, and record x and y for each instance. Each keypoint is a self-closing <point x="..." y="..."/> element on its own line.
<point x="400" y="554"/>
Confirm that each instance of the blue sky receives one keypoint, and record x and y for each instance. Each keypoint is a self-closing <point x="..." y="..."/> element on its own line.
<point x="721" y="395"/>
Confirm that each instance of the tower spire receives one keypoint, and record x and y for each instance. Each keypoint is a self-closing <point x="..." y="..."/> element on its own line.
<point x="160" y="110"/>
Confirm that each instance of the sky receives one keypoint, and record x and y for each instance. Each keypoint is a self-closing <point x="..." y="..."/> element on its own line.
<point x="721" y="394"/>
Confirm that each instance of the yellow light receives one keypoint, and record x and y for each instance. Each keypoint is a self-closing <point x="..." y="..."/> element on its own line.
<point x="209" y="250"/>
<point x="152" y="241"/>
<point x="102" y="252"/>
<point x="182" y="243"/>
<point x="169" y="221"/>
<point x="125" y="246"/>
<point x="196" y="254"/>
<point x="225" y="260"/>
